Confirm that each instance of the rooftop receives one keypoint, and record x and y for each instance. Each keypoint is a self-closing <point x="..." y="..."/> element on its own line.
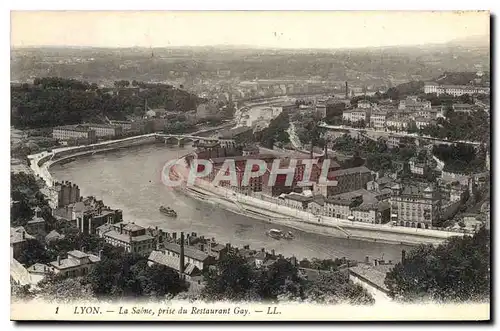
<point x="193" y="253"/>
<point x="75" y="259"/>
<point x="16" y="235"/>
<point x="349" y="171"/>
<point x="127" y="238"/>
<point x="374" y="274"/>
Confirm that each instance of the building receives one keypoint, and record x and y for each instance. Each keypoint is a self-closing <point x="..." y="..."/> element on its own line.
<point x="321" y="109"/>
<point x="18" y="241"/>
<point x="339" y="207"/>
<point x="298" y="201"/>
<point x="374" y="213"/>
<point x="395" y="123"/>
<point x="38" y="272"/>
<point x="378" y="120"/>
<point x="422" y="122"/>
<point x="348" y="180"/>
<point x="364" y="104"/>
<point x="357" y="115"/>
<point x="413" y="103"/>
<point x="415" y="205"/>
<point x="89" y="218"/>
<point x="250" y="150"/>
<point x="187" y="261"/>
<point x="132" y="237"/>
<point x="77" y="264"/>
<point x="455" y="90"/>
<point x="66" y="194"/>
<point x="193" y="256"/>
<point x="79" y="133"/>
<point x="106" y="130"/>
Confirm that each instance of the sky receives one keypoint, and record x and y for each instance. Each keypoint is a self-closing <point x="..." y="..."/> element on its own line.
<point x="290" y="29"/>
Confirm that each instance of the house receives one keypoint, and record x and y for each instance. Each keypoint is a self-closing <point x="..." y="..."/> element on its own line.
<point x="194" y="256"/>
<point x="36" y="226"/>
<point x="296" y="200"/>
<point x="190" y="271"/>
<point x="317" y="205"/>
<point x="18" y="241"/>
<point x="38" y="272"/>
<point x="350" y="179"/>
<point x="132" y="237"/>
<point x="77" y="264"/>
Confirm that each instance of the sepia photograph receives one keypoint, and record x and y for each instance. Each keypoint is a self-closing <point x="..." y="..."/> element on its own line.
<point x="250" y="165"/>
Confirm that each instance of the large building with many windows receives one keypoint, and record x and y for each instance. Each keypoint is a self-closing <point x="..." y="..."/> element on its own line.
<point x="455" y="90"/>
<point x="415" y="205"/>
<point x="74" y="132"/>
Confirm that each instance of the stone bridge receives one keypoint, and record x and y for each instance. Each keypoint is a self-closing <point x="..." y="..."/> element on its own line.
<point x="181" y="139"/>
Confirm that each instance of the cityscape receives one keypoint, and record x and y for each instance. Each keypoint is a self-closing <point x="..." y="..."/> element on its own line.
<point x="342" y="175"/>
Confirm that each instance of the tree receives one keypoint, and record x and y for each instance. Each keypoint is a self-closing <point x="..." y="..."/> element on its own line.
<point x="231" y="279"/>
<point x="33" y="252"/>
<point x="457" y="271"/>
<point x="158" y="280"/>
<point x="65" y="289"/>
<point x="334" y="288"/>
<point x="281" y="280"/>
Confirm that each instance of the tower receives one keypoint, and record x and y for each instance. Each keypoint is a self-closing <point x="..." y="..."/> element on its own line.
<point x="346" y="90"/>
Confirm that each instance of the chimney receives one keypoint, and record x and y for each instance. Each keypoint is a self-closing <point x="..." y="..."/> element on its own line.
<point x="58" y="260"/>
<point x="174" y="235"/>
<point x="246" y="247"/>
<point x="202" y="247"/>
<point x="273" y="252"/>
<point x="121" y="228"/>
<point x="262" y="249"/>
<point x="181" y="258"/>
<point x="82" y="249"/>
<point x="346" y="91"/>
<point x="403" y="257"/>
<point x="228" y="246"/>
<point x="367" y="259"/>
<point x="375" y="262"/>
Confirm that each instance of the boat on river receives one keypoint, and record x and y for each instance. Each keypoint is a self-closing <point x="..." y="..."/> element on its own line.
<point x="275" y="234"/>
<point x="289" y="235"/>
<point x="168" y="211"/>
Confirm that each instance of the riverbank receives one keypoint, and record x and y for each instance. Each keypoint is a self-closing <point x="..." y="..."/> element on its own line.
<point x="306" y="221"/>
<point x="252" y="206"/>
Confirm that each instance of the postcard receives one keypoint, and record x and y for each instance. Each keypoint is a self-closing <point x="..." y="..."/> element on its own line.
<point x="250" y="166"/>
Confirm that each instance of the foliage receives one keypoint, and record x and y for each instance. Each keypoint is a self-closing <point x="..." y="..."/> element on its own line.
<point x="34" y="252"/>
<point x="460" y="158"/>
<point x="231" y="279"/>
<point x="127" y="275"/>
<point x="65" y="290"/>
<point x="458" y="270"/>
<point x="56" y="101"/>
<point x="276" y="132"/>
<point x="335" y="287"/>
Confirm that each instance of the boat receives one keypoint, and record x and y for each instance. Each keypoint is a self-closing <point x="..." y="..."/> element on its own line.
<point x="168" y="211"/>
<point x="275" y="234"/>
<point x="289" y="235"/>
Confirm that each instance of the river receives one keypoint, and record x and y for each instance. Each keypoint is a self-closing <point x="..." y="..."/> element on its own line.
<point x="129" y="179"/>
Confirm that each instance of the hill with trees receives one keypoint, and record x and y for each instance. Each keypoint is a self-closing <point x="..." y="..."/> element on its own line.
<point x="54" y="101"/>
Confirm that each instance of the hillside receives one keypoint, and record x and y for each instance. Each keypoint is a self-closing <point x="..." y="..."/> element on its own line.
<point x="57" y="101"/>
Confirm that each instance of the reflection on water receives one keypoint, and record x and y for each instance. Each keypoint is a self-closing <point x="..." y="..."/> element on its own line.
<point x="130" y="179"/>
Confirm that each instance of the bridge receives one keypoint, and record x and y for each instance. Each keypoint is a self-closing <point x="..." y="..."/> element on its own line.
<point x="181" y="139"/>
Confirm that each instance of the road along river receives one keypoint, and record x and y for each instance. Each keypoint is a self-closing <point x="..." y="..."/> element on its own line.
<point x="130" y="179"/>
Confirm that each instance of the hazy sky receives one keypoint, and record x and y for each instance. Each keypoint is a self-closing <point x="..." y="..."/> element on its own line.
<point x="268" y="29"/>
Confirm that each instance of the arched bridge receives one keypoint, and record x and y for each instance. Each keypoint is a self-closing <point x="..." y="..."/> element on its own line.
<point x="181" y="139"/>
